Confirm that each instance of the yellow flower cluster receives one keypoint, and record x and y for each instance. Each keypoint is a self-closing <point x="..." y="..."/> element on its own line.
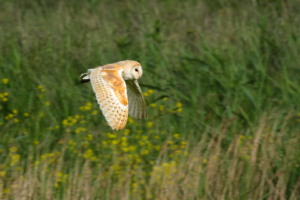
<point x="41" y="88"/>
<point x="130" y="120"/>
<point x="61" y="178"/>
<point x="2" y="174"/>
<point x="161" y="108"/>
<point x="148" y="93"/>
<point x="3" y="96"/>
<point x="89" y="137"/>
<point x="5" y="81"/>
<point x="80" y="129"/>
<point x="48" y="155"/>
<point x="166" y="169"/>
<point x="35" y="142"/>
<point x="149" y="124"/>
<point x="94" y="112"/>
<point x="89" y="154"/>
<point x="14" y="157"/>
<point x="71" y="144"/>
<point x="53" y="128"/>
<point x="87" y="107"/>
<point x="126" y="132"/>
<point x="70" y="121"/>
<point x="11" y="116"/>
<point x="179" y="105"/>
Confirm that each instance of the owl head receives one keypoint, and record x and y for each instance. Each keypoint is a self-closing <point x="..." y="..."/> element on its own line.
<point x="132" y="70"/>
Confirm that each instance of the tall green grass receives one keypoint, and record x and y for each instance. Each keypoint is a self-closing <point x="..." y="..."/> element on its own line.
<point x="221" y="81"/>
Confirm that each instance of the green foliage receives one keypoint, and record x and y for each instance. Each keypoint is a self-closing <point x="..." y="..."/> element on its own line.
<point x="221" y="81"/>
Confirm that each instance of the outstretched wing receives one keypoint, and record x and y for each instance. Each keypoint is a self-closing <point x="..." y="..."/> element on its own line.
<point x="137" y="104"/>
<point x="111" y="94"/>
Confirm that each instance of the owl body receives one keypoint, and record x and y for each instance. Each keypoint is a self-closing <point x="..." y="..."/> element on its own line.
<point x="118" y="92"/>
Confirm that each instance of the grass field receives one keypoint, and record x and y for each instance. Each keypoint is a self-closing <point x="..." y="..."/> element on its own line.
<point x="222" y="84"/>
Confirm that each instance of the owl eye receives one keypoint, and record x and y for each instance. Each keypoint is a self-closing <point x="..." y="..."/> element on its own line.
<point x="136" y="70"/>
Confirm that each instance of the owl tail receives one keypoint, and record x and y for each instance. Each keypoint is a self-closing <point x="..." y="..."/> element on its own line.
<point x="85" y="77"/>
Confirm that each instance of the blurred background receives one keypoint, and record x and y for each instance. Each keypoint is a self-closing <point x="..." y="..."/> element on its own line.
<point x="221" y="81"/>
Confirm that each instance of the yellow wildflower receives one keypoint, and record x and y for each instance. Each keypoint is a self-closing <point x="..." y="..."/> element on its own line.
<point x="146" y="94"/>
<point x="65" y="122"/>
<point x="150" y="91"/>
<point x="26" y="114"/>
<point x="204" y="161"/>
<point x="14" y="159"/>
<point x="16" y="120"/>
<point x="179" y="110"/>
<point x="47" y="103"/>
<point x="88" y="153"/>
<point x="179" y="104"/>
<point x="5" y="94"/>
<point x="114" y="142"/>
<point x="4" y="99"/>
<point x="126" y="132"/>
<point x="130" y="120"/>
<point x="178" y="152"/>
<point x="149" y="124"/>
<point x="13" y="149"/>
<point x="15" y="111"/>
<point x="125" y="149"/>
<point x="152" y="105"/>
<point x="2" y="173"/>
<point x="176" y="135"/>
<point x="161" y="107"/>
<point x="35" y="142"/>
<point x="5" y="80"/>
<point x="90" y="137"/>
<point x="94" y="112"/>
<point x="6" y="190"/>
<point x="165" y="98"/>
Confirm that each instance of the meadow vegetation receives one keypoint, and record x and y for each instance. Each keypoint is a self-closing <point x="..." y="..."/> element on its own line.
<point x="221" y="81"/>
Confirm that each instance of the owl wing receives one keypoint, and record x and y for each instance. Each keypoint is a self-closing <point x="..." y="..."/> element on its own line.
<point x="137" y="104"/>
<point x="111" y="94"/>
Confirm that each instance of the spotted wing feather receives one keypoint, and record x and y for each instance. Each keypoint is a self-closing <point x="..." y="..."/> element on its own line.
<point x="110" y="90"/>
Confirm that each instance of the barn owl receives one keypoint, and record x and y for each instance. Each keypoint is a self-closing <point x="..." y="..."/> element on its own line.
<point x="118" y="92"/>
